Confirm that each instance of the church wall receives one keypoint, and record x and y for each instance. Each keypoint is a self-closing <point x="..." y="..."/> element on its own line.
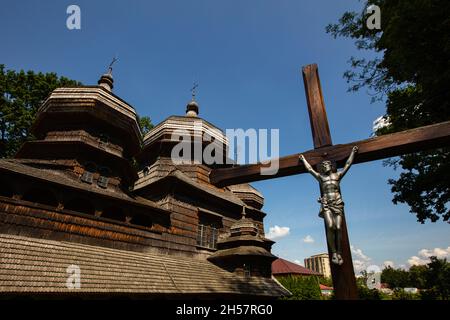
<point x="22" y="218"/>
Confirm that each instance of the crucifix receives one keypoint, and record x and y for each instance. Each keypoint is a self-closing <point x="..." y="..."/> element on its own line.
<point x="328" y="158"/>
<point x="332" y="205"/>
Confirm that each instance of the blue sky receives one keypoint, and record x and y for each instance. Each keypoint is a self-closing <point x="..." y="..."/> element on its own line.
<point x="246" y="56"/>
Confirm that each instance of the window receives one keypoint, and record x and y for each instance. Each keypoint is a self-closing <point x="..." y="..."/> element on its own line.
<point x="6" y="189"/>
<point x="82" y="205"/>
<point x="103" y="138"/>
<point x="209" y="224"/>
<point x="114" y="213"/>
<point x="247" y="270"/>
<point x="102" y="182"/>
<point x="88" y="174"/>
<point x="146" y="171"/>
<point x="41" y="195"/>
<point x="103" y="179"/>
<point x="142" y="220"/>
<point x="207" y="236"/>
<point x="87" y="177"/>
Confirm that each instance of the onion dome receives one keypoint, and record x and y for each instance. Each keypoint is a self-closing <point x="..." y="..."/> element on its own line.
<point x="106" y="81"/>
<point x="192" y="109"/>
<point x="89" y="124"/>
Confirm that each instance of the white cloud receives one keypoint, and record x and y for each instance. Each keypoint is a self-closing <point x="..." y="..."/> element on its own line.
<point x="358" y="252"/>
<point x="361" y="261"/>
<point x="308" y="239"/>
<point x="277" y="232"/>
<point x="437" y="252"/>
<point x="379" y="123"/>
<point x="389" y="263"/>
<point x="424" y="255"/>
<point x="416" y="261"/>
<point x="297" y="262"/>
<point x="359" y="265"/>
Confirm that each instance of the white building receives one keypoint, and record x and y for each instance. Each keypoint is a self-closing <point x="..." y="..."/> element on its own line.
<point x="319" y="263"/>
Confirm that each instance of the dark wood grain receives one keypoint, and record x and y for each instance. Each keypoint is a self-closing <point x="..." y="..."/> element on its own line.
<point x="343" y="276"/>
<point x="316" y="107"/>
<point x="344" y="281"/>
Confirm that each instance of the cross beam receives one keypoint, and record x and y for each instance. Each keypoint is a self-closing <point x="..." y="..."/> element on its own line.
<point x="316" y="107"/>
<point x="386" y="146"/>
<point x="395" y="144"/>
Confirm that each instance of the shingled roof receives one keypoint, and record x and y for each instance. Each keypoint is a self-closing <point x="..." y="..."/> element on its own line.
<point x="31" y="265"/>
<point x="283" y="267"/>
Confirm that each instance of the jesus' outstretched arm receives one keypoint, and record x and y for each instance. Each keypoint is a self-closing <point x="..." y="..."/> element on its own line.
<point x="309" y="168"/>
<point x="349" y="162"/>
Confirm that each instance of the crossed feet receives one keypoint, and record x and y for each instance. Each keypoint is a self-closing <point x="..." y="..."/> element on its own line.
<point x="337" y="259"/>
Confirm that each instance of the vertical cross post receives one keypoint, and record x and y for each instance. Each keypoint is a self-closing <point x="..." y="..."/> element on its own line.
<point x="344" y="282"/>
<point x="316" y="107"/>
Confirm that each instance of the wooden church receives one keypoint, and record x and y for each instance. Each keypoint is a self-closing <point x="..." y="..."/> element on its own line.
<point x="90" y="193"/>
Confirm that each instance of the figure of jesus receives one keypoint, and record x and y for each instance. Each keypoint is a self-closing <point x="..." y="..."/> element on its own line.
<point x="332" y="205"/>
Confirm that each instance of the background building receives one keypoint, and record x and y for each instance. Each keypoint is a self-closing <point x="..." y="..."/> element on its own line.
<point x="282" y="267"/>
<point x="326" y="290"/>
<point x="319" y="263"/>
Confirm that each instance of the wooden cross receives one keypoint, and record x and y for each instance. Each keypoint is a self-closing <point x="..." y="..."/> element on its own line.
<point x="390" y="145"/>
<point x="111" y="64"/>
<point x="194" y="90"/>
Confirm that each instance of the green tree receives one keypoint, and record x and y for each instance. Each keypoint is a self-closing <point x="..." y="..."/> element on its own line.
<point x="21" y="94"/>
<point x="326" y="281"/>
<point x="417" y="276"/>
<point x="145" y="123"/>
<point x="302" y="288"/>
<point x="411" y="72"/>
<point x="438" y="277"/>
<point x="432" y="279"/>
<point x="365" y="293"/>
<point x="395" y="278"/>
<point x="401" y="294"/>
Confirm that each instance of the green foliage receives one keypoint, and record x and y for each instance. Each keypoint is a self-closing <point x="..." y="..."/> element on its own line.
<point x="326" y="281"/>
<point x="145" y="123"/>
<point x="21" y="94"/>
<point x="362" y="280"/>
<point x="429" y="294"/>
<point x="302" y="288"/>
<point x="365" y="293"/>
<point x="432" y="279"/>
<point x="411" y="70"/>
<point x="395" y="278"/>
<point x="438" y="277"/>
<point x="417" y="277"/>
<point x="400" y="294"/>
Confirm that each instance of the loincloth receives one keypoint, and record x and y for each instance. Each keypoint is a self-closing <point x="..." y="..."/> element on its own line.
<point x="335" y="206"/>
